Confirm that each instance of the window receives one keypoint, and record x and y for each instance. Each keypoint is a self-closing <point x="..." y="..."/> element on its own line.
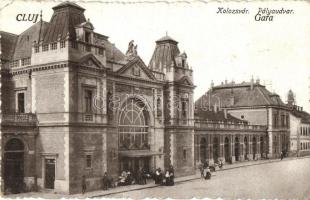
<point x="21" y="102"/>
<point x="62" y="44"/>
<point x="275" y="121"/>
<point x="26" y="61"/>
<point x="54" y="46"/>
<point x="287" y="121"/>
<point x="282" y="120"/>
<point x="88" y="161"/>
<point x="100" y="51"/>
<point x="87" y="37"/>
<point x="36" y="49"/>
<point x="16" y="63"/>
<point x="158" y="104"/>
<point x="45" y="47"/>
<point x="88" y="100"/>
<point x="74" y="45"/>
<point x="184" y="108"/>
<point x="88" y="48"/>
<point x="184" y="153"/>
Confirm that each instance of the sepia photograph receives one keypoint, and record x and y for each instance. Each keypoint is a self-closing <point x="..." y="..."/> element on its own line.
<point x="162" y="99"/>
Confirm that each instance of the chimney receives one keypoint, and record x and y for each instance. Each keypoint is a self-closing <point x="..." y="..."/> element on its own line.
<point x="257" y="81"/>
<point x="225" y="81"/>
<point x="252" y="83"/>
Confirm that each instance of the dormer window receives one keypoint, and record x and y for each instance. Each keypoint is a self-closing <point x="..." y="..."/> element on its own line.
<point x="183" y="63"/>
<point x="45" y="47"/>
<point x="54" y="46"/>
<point x="87" y="37"/>
<point x="100" y="51"/>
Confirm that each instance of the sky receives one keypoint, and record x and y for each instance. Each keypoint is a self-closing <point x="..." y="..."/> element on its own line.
<point x="219" y="47"/>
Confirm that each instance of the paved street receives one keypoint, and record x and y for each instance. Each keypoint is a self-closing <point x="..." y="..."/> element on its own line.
<point x="285" y="179"/>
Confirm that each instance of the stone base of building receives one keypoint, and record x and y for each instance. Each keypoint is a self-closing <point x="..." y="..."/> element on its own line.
<point x="30" y="184"/>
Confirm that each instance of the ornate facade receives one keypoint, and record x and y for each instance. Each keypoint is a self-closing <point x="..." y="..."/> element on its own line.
<point x="72" y="104"/>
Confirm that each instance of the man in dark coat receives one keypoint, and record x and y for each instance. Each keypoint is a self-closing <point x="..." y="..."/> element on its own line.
<point x="83" y="184"/>
<point x="105" y="181"/>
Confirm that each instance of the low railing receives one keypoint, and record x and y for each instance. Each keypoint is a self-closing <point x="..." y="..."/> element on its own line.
<point x="179" y="122"/>
<point x="18" y="118"/>
<point x="224" y="125"/>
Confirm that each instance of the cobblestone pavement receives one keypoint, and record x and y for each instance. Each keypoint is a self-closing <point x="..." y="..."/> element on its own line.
<point x="288" y="179"/>
<point x="247" y="179"/>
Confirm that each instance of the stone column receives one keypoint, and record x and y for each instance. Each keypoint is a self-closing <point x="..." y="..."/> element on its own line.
<point x="242" y="149"/>
<point x="221" y="156"/>
<point x="279" y="144"/>
<point x="232" y="148"/>
<point x="250" y="155"/>
<point x="210" y="148"/>
<point x="258" y="148"/>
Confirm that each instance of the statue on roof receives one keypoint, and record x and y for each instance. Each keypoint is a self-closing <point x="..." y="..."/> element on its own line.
<point x="132" y="49"/>
<point x="291" y="98"/>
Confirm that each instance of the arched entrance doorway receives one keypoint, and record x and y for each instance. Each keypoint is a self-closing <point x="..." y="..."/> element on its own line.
<point x="226" y="150"/>
<point x="246" y="143"/>
<point x="254" y="143"/>
<point x="216" y="149"/>
<point x="14" y="166"/>
<point x="203" y="150"/>
<point x="237" y="148"/>
<point x="134" y="136"/>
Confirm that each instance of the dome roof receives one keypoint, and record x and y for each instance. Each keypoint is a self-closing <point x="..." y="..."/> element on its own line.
<point x="166" y="39"/>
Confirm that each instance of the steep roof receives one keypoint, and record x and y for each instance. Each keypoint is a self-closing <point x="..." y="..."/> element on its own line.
<point x="62" y="24"/>
<point x="112" y="52"/>
<point x="240" y="95"/>
<point x="68" y="4"/>
<point x="166" y="39"/>
<point x="216" y="116"/>
<point x="164" y="54"/>
<point x="305" y="117"/>
<point x="26" y="39"/>
<point x="7" y="45"/>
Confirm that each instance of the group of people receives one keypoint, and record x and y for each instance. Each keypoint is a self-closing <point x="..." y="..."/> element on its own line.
<point x="128" y="178"/>
<point x="164" y="178"/>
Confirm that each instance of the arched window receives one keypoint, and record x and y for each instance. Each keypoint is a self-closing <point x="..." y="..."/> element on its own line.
<point x="14" y="145"/>
<point x="133" y="125"/>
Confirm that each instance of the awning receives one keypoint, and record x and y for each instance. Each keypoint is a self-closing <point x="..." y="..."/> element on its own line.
<point x="138" y="153"/>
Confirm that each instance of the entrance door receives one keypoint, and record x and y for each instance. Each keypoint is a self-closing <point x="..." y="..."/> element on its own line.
<point x="14" y="166"/>
<point x="246" y="143"/>
<point x="203" y="150"/>
<point x="49" y="173"/>
<point x="254" y="147"/>
<point x="216" y="149"/>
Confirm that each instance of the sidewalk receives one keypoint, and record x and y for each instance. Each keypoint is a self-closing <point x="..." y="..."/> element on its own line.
<point x="122" y="189"/>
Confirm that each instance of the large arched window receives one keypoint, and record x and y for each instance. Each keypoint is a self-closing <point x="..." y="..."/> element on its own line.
<point x="133" y="125"/>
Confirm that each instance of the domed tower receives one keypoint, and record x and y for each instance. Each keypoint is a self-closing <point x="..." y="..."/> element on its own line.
<point x="178" y="99"/>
